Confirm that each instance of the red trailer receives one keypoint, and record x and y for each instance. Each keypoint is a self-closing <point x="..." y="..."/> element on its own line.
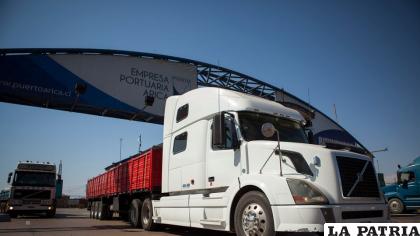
<point x="126" y="186"/>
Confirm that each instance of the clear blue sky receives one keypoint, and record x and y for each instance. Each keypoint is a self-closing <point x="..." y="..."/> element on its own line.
<point x="364" y="57"/>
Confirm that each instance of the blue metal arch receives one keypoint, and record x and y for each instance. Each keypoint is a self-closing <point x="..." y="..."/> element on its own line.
<point x="208" y="75"/>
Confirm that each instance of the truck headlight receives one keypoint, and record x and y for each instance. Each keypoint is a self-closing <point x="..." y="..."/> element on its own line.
<point x="305" y="193"/>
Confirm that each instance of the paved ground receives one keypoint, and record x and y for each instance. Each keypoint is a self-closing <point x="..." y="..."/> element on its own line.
<point x="76" y="222"/>
<point x="407" y="218"/>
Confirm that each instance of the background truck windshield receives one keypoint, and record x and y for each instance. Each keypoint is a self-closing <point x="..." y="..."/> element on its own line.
<point x="26" y="178"/>
<point x="251" y="122"/>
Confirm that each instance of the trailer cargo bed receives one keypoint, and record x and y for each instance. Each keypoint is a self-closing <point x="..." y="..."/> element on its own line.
<point x="141" y="172"/>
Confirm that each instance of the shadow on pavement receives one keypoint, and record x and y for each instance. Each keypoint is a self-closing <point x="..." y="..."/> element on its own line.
<point x="57" y="216"/>
<point x="59" y="229"/>
<point x="408" y="214"/>
<point x="186" y="231"/>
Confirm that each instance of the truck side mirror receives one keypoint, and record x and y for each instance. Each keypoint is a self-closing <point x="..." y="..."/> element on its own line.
<point x="236" y="143"/>
<point x="9" y="177"/>
<point x="218" y="132"/>
<point x="311" y="137"/>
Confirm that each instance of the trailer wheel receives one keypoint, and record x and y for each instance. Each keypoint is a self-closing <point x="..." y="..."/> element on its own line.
<point x="108" y="213"/>
<point x="91" y="210"/>
<point x="95" y="214"/>
<point x="147" y="215"/>
<point x="134" y="213"/>
<point x="395" y="206"/>
<point x="253" y="215"/>
<point x="103" y="214"/>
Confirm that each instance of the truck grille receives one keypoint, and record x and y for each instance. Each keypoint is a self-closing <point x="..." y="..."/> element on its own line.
<point x="31" y="194"/>
<point x="31" y="201"/>
<point x="350" y="169"/>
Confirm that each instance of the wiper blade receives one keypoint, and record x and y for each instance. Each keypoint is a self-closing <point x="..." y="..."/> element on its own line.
<point x="337" y="146"/>
<point x="274" y="151"/>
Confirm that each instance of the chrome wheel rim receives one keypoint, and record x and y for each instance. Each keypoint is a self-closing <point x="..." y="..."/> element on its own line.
<point x="395" y="206"/>
<point x="254" y="220"/>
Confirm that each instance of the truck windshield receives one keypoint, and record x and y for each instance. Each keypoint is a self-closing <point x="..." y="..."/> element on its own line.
<point x="27" y="178"/>
<point x="289" y="130"/>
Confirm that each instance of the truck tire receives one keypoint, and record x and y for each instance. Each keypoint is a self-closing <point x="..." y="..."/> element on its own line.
<point x="2" y="207"/>
<point x="147" y="215"/>
<point x="134" y="213"/>
<point x="253" y="215"/>
<point x="51" y="213"/>
<point x="13" y="215"/>
<point x="395" y="206"/>
<point x="100" y="210"/>
<point x="105" y="212"/>
<point x="95" y="214"/>
<point x="91" y="210"/>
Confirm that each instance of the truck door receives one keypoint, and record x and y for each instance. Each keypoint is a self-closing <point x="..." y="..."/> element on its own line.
<point x="409" y="188"/>
<point x="223" y="162"/>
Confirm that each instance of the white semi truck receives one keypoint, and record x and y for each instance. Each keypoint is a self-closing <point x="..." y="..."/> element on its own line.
<point x="33" y="189"/>
<point x="236" y="162"/>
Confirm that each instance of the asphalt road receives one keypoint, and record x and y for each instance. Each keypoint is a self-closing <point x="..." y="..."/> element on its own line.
<point x="76" y="222"/>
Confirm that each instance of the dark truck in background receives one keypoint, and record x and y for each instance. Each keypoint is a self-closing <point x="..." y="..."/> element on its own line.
<point x="33" y="189"/>
<point x="405" y="194"/>
<point x="4" y="198"/>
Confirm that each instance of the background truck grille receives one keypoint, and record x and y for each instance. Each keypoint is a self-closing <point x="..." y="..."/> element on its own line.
<point x="349" y="169"/>
<point x="31" y="201"/>
<point x="31" y="194"/>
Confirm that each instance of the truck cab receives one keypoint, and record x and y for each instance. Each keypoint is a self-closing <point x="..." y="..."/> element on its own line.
<point x="32" y="189"/>
<point x="237" y="162"/>
<point x="405" y="194"/>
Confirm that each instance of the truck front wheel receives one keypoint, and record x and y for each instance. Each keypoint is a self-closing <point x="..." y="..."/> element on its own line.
<point x="253" y="215"/>
<point x="147" y="215"/>
<point x="51" y="213"/>
<point x="395" y="206"/>
<point x="134" y="213"/>
<point x="13" y="215"/>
